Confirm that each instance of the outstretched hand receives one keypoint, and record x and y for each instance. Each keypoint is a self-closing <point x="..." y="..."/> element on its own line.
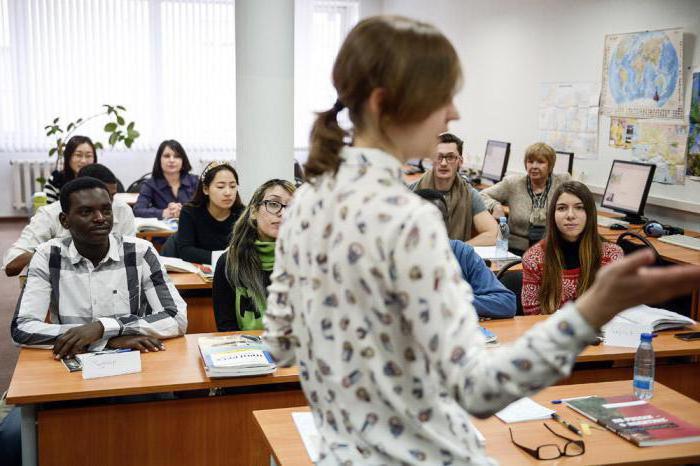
<point x="142" y="343"/>
<point x="631" y="282"/>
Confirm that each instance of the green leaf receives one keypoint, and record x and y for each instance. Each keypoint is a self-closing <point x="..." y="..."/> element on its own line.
<point x="130" y="127"/>
<point x="52" y="151"/>
<point x="120" y="120"/>
<point x="48" y="126"/>
<point x="59" y="142"/>
<point x="134" y="134"/>
<point x="70" y="126"/>
<point x="121" y="108"/>
<point x="113" y="138"/>
<point x="128" y="142"/>
<point x="80" y="120"/>
<point x="98" y="145"/>
<point x="110" y="127"/>
<point x="55" y="120"/>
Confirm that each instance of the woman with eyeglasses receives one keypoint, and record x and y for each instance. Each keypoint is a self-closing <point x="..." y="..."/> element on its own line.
<point x="206" y="222"/>
<point x="78" y="152"/>
<point x="366" y="295"/>
<point x="242" y="275"/>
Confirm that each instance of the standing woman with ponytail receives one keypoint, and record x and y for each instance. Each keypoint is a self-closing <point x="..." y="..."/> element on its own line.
<point x="242" y="275"/>
<point x="366" y="295"/>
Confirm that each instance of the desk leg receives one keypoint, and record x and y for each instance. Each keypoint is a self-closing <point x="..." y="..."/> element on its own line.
<point x="29" y="445"/>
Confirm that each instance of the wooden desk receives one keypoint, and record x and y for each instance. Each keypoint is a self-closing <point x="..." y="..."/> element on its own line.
<point x="602" y="447"/>
<point x="677" y="361"/>
<point x="189" y="431"/>
<point x="197" y="294"/>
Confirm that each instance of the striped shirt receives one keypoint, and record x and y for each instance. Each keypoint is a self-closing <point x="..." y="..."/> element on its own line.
<point x="128" y="291"/>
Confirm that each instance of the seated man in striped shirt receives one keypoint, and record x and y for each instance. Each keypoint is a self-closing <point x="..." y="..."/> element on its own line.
<point x="100" y="289"/>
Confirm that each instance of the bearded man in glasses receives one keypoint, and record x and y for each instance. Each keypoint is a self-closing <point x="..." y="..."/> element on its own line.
<point x="469" y="220"/>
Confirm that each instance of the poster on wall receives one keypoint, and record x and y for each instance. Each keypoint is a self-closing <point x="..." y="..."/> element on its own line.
<point x="622" y="132"/>
<point x="693" y="165"/>
<point x="568" y="117"/>
<point x="662" y="143"/>
<point x="643" y="75"/>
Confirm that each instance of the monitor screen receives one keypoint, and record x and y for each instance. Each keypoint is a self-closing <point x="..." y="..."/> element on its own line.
<point x="564" y="163"/>
<point x="628" y="187"/>
<point x="495" y="160"/>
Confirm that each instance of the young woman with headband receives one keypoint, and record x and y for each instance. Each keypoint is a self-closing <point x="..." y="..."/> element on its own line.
<point x="366" y="295"/>
<point x="206" y="222"/>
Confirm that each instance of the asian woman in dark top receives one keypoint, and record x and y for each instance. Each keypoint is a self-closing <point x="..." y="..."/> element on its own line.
<point x="78" y="152"/>
<point x="243" y="273"/>
<point x="171" y="185"/>
<point x="207" y="221"/>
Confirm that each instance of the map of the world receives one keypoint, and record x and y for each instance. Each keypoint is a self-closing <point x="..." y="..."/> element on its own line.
<point x="642" y="74"/>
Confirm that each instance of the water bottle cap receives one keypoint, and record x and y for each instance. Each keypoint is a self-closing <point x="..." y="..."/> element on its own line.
<point x="646" y="336"/>
<point x="502" y="219"/>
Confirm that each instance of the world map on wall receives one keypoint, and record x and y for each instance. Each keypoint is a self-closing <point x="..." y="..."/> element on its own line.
<point x="642" y="74"/>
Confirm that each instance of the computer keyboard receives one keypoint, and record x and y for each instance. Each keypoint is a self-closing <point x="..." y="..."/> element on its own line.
<point x="607" y="221"/>
<point x="682" y="240"/>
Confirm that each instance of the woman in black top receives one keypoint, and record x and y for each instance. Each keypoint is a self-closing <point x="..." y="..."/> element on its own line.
<point x="207" y="221"/>
<point x="78" y="152"/>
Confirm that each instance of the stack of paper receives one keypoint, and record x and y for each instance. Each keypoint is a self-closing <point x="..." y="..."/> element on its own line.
<point x="522" y="410"/>
<point x="625" y="328"/>
<point x="234" y="356"/>
<point x="489" y="252"/>
<point x="153" y="224"/>
<point x="175" y="264"/>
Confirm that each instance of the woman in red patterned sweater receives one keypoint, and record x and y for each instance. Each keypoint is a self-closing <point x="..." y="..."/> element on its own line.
<point x="563" y="265"/>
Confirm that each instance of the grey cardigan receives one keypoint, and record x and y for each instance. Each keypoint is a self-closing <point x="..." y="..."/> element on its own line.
<point x="512" y="191"/>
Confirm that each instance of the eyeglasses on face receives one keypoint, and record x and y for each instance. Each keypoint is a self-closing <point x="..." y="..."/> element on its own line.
<point x="274" y="207"/>
<point x="551" y="451"/>
<point x="449" y="158"/>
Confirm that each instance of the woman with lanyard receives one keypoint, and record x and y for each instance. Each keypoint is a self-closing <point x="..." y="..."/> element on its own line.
<point x="242" y="275"/>
<point x="527" y="197"/>
<point x="366" y="296"/>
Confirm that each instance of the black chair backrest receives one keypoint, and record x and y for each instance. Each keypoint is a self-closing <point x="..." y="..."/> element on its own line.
<point x="513" y="280"/>
<point x="630" y="242"/>
<point x="135" y="187"/>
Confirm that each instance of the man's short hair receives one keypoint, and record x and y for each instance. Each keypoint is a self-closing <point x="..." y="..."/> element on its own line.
<point x="79" y="184"/>
<point x="98" y="171"/>
<point x="447" y="138"/>
<point x="435" y="197"/>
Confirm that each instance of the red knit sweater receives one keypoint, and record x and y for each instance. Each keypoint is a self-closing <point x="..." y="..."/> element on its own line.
<point x="533" y="263"/>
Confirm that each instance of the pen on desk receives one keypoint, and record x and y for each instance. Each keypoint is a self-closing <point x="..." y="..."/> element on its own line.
<point x="120" y="350"/>
<point x="566" y="424"/>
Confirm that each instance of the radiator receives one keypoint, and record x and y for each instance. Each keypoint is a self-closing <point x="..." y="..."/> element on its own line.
<point x="24" y="184"/>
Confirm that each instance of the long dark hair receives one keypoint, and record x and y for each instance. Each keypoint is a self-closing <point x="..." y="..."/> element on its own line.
<point x="176" y="147"/>
<point x="68" y="152"/>
<point x="412" y="61"/>
<point x="243" y="266"/>
<point x="589" y="253"/>
<point x="200" y="199"/>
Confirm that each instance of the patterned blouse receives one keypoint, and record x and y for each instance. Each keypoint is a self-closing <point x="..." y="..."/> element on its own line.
<point x="533" y="263"/>
<point x="368" y="299"/>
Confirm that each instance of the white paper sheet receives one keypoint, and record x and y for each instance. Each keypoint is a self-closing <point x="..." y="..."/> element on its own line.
<point x="309" y="434"/>
<point x="524" y="410"/>
<point x="104" y="365"/>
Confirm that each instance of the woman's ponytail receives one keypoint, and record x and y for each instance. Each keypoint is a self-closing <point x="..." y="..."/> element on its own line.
<point x="326" y="141"/>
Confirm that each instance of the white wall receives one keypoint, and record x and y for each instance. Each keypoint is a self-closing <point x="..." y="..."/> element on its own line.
<point x="508" y="47"/>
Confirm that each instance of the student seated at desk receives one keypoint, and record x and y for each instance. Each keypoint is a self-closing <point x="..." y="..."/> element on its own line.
<point x="491" y="298"/>
<point x="527" y="197"/>
<point x="45" y="223"/>
<point x="206" y="222"/>
<point x="466" y="209"/>
<point x="170" y="186"/>
<point x="365" y="296"/>
<point x="243" y="274"/>
<point x="563" y="265"/>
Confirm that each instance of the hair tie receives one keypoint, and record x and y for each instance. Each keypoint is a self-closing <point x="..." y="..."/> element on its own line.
<point x="338" y="106"/>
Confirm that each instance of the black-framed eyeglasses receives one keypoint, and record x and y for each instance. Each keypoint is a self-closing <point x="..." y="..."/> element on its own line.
<point x="551" y="451"/>
<point x="449" y="158"/>
<point x="274" y="207"/>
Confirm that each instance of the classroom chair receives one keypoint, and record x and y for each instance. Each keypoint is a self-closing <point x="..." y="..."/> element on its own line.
<point x="514" y="282"/>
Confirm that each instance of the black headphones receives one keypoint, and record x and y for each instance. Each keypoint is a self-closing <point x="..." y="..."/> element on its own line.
<point x="656" y="229"/>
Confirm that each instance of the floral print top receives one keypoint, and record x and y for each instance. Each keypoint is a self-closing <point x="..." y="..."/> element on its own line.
<point x="368" y="299"/>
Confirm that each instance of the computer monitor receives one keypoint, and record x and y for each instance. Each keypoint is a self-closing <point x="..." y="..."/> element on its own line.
<point x="564" y="163"/>
<point x="628" y="188"/>
<point x="495" y="160"/>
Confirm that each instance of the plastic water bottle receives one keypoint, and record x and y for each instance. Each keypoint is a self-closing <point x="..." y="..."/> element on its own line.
<point x="502" y="239"/>
<point x="643" y="383"/>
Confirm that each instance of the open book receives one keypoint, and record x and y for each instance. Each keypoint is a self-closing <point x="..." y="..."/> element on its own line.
<point x="175" y="264"/>
<point x="235" y="356"/>
<point x="153" y="224"/>
<point x="656" y="319"/>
